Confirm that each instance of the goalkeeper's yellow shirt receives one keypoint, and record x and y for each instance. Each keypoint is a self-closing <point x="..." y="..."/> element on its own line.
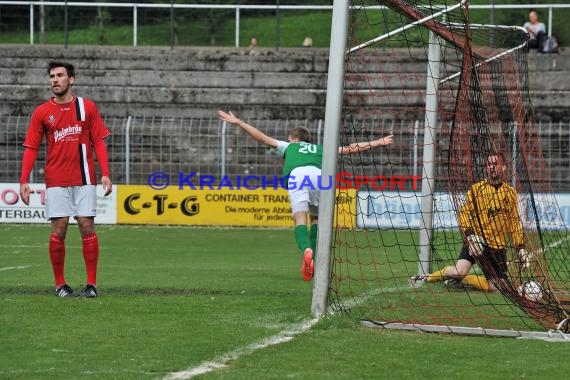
<point x="492" y="213"/>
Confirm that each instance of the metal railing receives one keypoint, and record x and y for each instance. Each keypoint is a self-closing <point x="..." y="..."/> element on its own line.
<point x="140" y="146"/>
<point x="237" y="9"/>
<point x="550" y="8"/>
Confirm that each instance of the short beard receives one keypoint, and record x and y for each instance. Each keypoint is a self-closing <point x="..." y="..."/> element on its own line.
<point x="61" y="92"/>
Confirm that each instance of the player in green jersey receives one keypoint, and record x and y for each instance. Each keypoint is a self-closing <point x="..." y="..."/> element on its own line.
<point x="303" y="161"/>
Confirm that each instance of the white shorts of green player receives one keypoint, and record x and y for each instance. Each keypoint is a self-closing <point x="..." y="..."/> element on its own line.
<point x="305" y="198"/>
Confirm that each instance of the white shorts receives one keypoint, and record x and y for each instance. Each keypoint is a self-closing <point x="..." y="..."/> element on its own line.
<point x="305" y="198"/>
<point x="76" y="201"/>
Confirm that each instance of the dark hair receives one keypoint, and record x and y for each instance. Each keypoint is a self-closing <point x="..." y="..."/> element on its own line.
<point x="68" y="66"/>
<point x="302" y="134"/>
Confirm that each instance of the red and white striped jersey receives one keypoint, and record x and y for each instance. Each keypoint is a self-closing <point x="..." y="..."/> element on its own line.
<point x="70" y="129"/>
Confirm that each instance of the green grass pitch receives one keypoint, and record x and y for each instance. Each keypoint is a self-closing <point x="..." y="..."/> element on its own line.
<point x="174" y="298"/>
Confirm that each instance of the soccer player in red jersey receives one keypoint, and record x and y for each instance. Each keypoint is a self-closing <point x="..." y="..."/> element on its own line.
<point x="73" y="128"/>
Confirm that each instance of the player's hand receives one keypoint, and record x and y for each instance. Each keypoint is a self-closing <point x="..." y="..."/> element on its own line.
<point x="386" y="140"/>
<point x="25" y="193"/>
<point x="476" y="245"/>
<point x="228" y="117"/>
<point x="524" y="257"/>
<point x="107" y="185"/>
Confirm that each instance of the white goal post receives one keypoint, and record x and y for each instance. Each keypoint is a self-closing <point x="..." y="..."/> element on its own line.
<point x="333" y="113"/>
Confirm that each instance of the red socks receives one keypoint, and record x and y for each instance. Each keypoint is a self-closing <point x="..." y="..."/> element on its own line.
<point x="57" y="257"/>
<point x="91" y="256"/>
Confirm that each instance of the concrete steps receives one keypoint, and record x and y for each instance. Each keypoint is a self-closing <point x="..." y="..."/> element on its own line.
<point x="289" y="83"/>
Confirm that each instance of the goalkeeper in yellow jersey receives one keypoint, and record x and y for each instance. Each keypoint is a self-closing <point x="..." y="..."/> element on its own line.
<point x="488" y="218"/>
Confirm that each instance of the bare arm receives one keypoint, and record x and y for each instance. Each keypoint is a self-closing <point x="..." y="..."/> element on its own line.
<point x="249" y="129"/>
<point x="364" y="146"/>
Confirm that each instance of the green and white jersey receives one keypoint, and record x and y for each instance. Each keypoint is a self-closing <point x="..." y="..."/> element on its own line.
<point x="300" y="154"/>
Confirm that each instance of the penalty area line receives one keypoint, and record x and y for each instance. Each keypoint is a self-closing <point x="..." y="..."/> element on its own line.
<point x="282" y="337"/>
<point x="223" y="360"/>
<point x="16" y="267"/>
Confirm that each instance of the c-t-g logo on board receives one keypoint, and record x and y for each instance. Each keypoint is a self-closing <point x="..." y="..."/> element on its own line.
<point x="188" y="206"/>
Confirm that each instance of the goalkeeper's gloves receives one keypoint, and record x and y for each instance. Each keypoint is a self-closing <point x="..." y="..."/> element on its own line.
<point x="476" y="245"/>
<point x="524" y="257"/>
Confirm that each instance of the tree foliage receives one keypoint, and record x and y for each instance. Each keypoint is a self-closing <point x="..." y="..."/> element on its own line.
<point x="82" y="17"/>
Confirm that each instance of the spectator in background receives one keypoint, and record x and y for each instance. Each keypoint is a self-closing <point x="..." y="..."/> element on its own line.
<point x="253" y="43"/>
<point x="536" y="31"/>
<point x="253" y="46"/>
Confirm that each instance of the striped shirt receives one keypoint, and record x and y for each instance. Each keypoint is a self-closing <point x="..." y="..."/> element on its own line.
<point x="70" y="130"/>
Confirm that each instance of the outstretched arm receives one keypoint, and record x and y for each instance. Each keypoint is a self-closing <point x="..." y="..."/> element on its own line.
<point x="364" y="146"/>
<point x="249" y="129"/>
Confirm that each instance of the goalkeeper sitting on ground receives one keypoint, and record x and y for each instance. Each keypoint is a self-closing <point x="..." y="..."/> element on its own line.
<point x="489" y="215"/>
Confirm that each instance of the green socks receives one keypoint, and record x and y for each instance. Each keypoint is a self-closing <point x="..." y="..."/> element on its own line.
<point x="302" y="237"/>
<point x="306" y="238"/>
<point x="313" y="232"/>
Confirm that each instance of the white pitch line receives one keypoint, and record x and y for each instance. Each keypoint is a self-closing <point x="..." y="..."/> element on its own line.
<point x="23" y="245"/>
<point x="552" y="245"/>
<point x="221" y="361"/>
<point x="18" y="267"/>
<point x="282" y="337"/>
<point x="557" y="243"/>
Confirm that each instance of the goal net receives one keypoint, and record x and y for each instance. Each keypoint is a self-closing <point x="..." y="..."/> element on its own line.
<point x="452" y="94"/>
